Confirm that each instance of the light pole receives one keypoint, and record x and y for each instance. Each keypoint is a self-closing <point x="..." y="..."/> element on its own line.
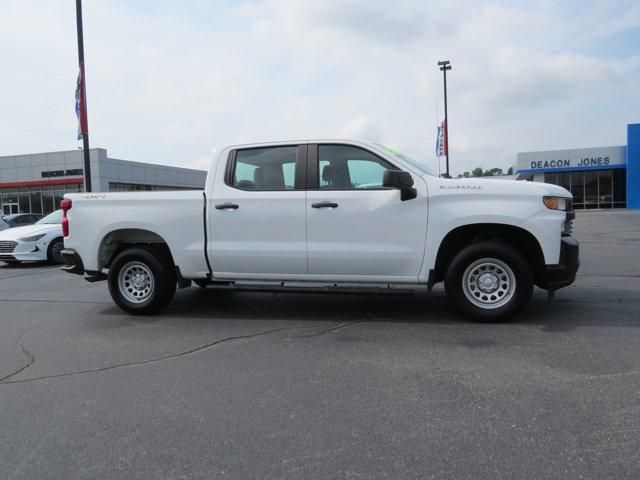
<point x="82" y="103"/>
<point x="444" y="66"/>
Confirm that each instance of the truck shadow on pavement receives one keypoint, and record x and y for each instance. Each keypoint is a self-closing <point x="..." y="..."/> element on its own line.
<point x="570" y="309"/>
<point x="24" y="265"/>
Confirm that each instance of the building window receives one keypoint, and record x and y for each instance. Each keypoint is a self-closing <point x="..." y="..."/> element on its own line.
<point x="47" y="202"/>
<point x="42" y="200"/>
<point x="36" y="200"/>
<point x="620" y="188"/>
<point x="593" y="188"/>
<point x="605" y="189"/>
<point x="551" y="178"/>
<point x="136" y="187"/>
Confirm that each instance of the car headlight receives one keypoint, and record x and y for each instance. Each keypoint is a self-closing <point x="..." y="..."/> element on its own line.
<point x="32" y="238"/>
<point x="555" y="203"/>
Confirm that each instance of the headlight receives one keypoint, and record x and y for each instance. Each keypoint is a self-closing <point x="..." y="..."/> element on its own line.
<point x="555" y="203"/>
<point x="32" y="238"/>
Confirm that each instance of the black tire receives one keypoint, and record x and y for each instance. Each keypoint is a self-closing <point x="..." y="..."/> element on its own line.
<point x="501" y="265"/>
<point x="154" y="267"/>
<point x="53" y="252"/>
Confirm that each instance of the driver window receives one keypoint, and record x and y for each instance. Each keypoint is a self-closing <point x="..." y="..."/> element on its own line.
<point x="343" y="167"/>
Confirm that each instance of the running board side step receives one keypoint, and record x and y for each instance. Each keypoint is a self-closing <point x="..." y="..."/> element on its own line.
<point x="320" y="289"/>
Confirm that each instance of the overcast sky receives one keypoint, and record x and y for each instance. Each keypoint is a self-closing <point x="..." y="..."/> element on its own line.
<point x="168" y="80"/>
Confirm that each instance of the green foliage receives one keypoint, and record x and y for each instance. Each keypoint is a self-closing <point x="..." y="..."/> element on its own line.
<point x="492" y="172"/>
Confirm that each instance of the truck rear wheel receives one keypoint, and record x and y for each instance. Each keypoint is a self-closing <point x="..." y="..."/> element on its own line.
<point x="489" y="281"/>
<point x="141" y="281"/>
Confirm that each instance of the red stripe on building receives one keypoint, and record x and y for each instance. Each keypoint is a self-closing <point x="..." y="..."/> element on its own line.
<point x="43" y="183"/>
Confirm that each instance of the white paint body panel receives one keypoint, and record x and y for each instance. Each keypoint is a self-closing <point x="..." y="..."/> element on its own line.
<point x="371" y="237"/>
<point x="265" y="235"/>
<point x="455" y="203"/>
<point x="177" y="217"/>
<point x="371" y="233"/>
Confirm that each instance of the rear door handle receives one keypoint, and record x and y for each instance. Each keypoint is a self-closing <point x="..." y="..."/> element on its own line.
<point x="227" y="206"/>
<point x="324" y="205"/>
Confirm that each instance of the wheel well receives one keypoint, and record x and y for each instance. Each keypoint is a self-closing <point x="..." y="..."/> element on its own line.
<point x="51" y="243"/>
<point x="460" y="237"/>
<point x="119" y="240"/>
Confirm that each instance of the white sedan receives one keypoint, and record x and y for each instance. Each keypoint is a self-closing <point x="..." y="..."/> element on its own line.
<point x="41" y="241"/>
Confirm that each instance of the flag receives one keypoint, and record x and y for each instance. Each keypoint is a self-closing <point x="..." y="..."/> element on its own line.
<point x="441" y="144"/>
<point x="81" y="106"/>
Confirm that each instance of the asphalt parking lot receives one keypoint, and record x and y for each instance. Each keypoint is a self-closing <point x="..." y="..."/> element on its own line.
<point x="316" y="387"/>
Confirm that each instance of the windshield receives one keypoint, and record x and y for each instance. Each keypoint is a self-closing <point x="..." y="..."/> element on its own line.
<point x="53" y="218"/>
<point x="420" y="166"/>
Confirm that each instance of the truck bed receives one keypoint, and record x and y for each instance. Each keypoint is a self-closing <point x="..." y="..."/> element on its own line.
<point x="176" y="216"/>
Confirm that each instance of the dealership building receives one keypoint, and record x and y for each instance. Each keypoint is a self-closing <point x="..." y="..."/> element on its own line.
<point x="36" y="183"/>
<point x="600" y="177"/>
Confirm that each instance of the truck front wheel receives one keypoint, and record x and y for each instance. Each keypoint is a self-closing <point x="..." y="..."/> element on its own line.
<point x="489" y="281"/>
<point x="141" y="281"/>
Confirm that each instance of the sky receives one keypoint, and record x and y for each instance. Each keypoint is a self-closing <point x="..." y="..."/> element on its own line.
<point x="167" y="80"/>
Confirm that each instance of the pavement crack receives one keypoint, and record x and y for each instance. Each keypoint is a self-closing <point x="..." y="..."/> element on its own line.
<point x="622" y="275"/>
<point x="333" y="329"/>
<point x="40" y="272"/>
<point x="184" y="353"/>
<point x="30" y="360"/>
<point x="21" y="300"/>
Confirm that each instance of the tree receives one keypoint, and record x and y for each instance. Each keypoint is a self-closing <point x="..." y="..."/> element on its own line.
<point x="476" y="172"/>
<point x="492" y="172"/>
<point x="466" y="174"/>
<point x="510" y="171"/>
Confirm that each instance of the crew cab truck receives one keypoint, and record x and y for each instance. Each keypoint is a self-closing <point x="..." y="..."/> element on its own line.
<point x="326" y="216"/>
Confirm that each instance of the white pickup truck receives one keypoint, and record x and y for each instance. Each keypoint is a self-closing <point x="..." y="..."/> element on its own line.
<point x="326" y="216"/>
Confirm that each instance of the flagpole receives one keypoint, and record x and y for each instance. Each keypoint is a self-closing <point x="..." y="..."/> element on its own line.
<point x="84" y="122"/>
<point x="444" y="66"/>
<point x="437" y="140"/>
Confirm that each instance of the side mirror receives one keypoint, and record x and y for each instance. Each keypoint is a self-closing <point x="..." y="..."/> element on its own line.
<point x="402" y="181"/>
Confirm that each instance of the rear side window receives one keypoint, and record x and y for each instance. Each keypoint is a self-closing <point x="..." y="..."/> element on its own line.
<point x="272" y="168"/>
<point x="23" y="220"/>
<point x="343" y="167"/>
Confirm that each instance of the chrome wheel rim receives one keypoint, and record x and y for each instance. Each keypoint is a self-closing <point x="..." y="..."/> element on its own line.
<point x="56" y="252"/>
<point x="489" y="283"/>
<point x="135" y="282"/>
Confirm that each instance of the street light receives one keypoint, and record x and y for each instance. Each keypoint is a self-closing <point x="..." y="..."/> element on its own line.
<point x="444" y="66"/>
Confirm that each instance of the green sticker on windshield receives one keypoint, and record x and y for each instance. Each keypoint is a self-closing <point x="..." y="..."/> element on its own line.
<point x="388" y="149"/>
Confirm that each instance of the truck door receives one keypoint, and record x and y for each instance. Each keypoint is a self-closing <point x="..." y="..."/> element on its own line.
<point x="258" y="214"/>
<point x="356" y="228"/>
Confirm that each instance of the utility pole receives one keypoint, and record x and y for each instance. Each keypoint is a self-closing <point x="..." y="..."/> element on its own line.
<point x="444" y="66"/>
<point x="82" y="103"/>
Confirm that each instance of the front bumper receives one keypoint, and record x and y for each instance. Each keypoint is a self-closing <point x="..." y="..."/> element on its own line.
<point x="564" y="273"/>
<point x="24" y="251"/>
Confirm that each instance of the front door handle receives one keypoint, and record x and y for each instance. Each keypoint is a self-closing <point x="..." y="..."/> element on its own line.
<point x="324" y="205"/>
<point x="227" y="206"/>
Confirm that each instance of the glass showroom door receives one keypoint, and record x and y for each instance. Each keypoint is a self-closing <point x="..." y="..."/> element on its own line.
<point x="9" y="208"/>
